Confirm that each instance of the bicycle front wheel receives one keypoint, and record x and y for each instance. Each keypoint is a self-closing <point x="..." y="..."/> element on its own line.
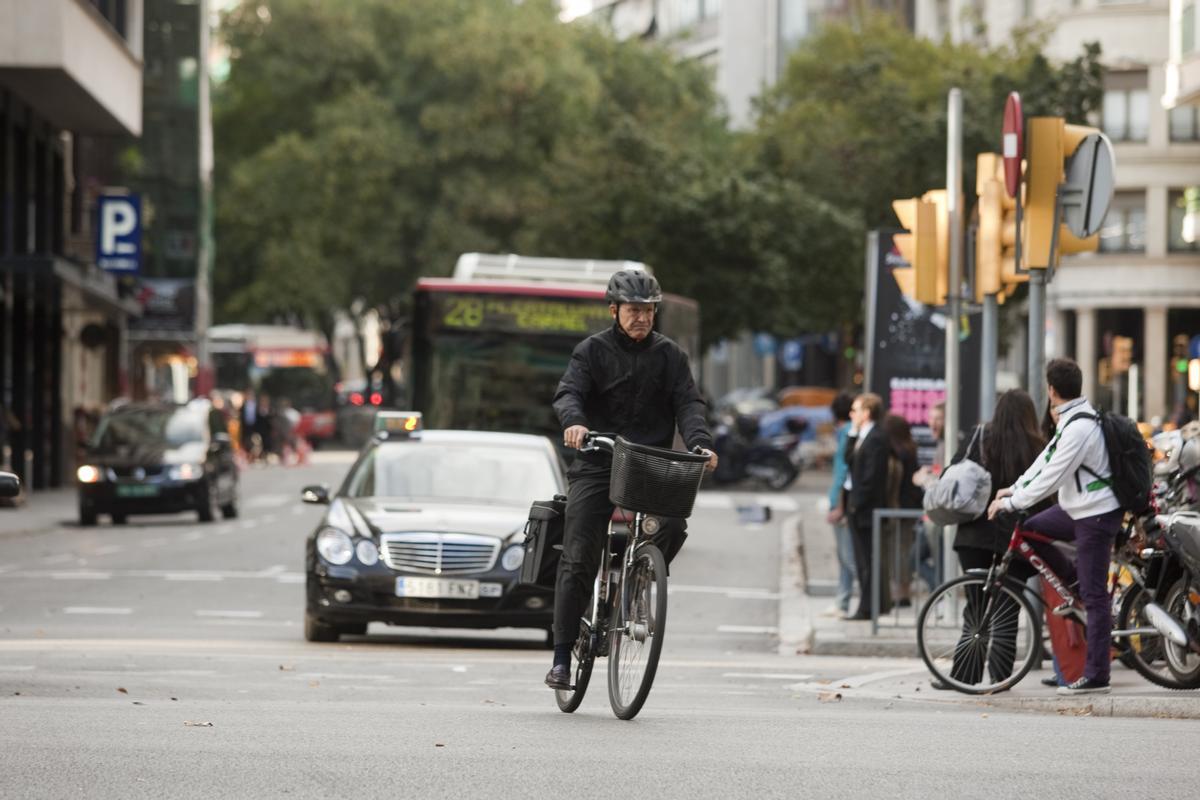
<point x="636" y="636"/>
<point x="977" y="637"/>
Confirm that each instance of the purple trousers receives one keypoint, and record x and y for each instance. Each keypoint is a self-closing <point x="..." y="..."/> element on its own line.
<point x="1093" y="537"/>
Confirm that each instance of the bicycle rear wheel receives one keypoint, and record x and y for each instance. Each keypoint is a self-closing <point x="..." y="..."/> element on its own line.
<point x="636" y="636"/>
<point x="1146" y="652"/>
<point x="584" y="656"/>
<point x="976" y="637"/>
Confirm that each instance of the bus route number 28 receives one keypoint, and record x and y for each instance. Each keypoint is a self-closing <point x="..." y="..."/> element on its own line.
<point x="464" y="312"/>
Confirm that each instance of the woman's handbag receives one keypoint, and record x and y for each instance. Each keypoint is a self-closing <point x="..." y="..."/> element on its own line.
<point x="961" y="492"/>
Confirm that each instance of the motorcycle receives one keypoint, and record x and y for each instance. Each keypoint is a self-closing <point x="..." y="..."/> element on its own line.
<point x="745" y="454"/>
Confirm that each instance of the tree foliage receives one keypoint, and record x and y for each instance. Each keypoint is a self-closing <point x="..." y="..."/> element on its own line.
<point x="364" y="143"/>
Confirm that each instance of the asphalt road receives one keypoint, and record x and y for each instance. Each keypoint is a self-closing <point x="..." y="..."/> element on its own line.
<point x="165" y="658"/>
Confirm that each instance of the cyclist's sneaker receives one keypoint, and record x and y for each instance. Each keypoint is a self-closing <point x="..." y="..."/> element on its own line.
<point x="1070" y="610"/>
<point x="1085" y="686"/>
<point x="559" y="677"/>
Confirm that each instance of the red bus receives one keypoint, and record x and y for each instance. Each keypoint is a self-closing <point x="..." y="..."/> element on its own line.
<point x="489" y="346"/>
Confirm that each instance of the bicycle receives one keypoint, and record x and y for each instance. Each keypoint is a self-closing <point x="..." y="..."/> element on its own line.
<point x="997" y="647"/>
<point x="628" y="613"/>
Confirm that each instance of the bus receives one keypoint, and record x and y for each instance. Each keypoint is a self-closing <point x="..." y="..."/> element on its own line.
<point x="489" y="345"/>
<point x="281" y="362"/>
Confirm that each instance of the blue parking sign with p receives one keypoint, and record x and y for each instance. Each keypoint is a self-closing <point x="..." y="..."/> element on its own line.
<point x="119" y="233"/>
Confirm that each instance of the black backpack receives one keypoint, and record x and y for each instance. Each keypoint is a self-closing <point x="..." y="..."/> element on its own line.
<point x="1128" y="459"/>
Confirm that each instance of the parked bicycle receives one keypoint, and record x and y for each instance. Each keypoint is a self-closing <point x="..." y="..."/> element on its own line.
<point x="627" y="618"/>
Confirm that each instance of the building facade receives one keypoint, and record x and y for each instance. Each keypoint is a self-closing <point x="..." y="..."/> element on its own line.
<point x="1144" y="283"/>
<point x="70" y="94"/>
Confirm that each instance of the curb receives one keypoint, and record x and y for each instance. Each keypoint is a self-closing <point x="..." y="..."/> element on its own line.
<point x="796" y="633"/>
<point x="1128" y="707"/>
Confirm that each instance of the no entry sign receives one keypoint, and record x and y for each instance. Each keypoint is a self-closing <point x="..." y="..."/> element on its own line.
<point x="1013" y="144"/>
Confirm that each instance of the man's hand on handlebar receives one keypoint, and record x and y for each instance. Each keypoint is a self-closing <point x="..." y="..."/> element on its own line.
<point x="712" y="458"/>
<point x="574" y="435"/>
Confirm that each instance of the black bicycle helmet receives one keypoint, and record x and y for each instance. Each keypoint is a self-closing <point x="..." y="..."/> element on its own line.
<point x="633" y="286"/>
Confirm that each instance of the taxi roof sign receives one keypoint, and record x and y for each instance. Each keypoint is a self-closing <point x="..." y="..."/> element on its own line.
<point x="397" y="424"/>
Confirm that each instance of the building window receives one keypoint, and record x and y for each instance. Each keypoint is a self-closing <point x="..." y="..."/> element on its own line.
<point x="1124" y="228"/>
<point x="1183" y="235"/>
<point x="1185" y="124"/>
<point x="1126" y="107"/>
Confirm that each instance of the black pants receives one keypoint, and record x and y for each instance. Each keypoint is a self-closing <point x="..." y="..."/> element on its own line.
<point x="1004" y="629"/>
<point x="861" y="536"/>
<point x="588" y="513"/>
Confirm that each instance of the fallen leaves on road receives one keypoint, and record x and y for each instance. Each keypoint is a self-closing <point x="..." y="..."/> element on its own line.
<point x="983" y="716"/>
<point x="829" y="697"/>
<point x="122" y="690"/>
<point x="190" y="724"/>
<point x="138" y="703"/>
<point x="438" y="744"/>
<point x="1077" y="711"/>
<point x="286" y="668"/>
<point x="314" y="684"/>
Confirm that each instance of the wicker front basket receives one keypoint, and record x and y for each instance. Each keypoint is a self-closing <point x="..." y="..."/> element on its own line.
<point x="653" y="480"/>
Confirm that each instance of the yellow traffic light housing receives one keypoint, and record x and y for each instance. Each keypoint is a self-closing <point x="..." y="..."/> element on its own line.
<point x="919" y="247"/>
<point x="1051" y="143"/>
<point x="996" y="243"/>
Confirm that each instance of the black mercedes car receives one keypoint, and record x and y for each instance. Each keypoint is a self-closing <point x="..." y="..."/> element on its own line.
<point x="427" y="529"/>
<point x="155" y="459"/>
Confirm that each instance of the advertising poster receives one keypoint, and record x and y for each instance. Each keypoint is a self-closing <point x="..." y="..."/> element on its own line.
<point x="906" y="348"/>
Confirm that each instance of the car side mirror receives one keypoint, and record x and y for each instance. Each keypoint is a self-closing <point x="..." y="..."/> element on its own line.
<point x="317" y="494"/>
<point x="10" y="485"/>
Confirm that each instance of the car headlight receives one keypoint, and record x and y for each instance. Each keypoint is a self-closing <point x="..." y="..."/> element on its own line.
<point x="513" y="558"/>
<point x="89" y="474"/>
<point x="185" y="472"/>
<point x="335" y="546"/>
<point x="367" y="552"/>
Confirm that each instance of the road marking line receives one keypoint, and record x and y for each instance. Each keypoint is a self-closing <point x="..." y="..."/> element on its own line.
<point x="778" y="502"/>
<point x="159" y="542"/>
<point x="60" y="558"/>
<point x="85" y="575"/>
<point x="194" y="576"/>
<point x="738" y="592"/>
<point x="747" y="629"/>
<point x="271" y="571"/>
<point x="230" y="614"/>
<point x="713" y="500"/>
<point x="291" y="577"/>
<point x="768" y="676"/>
<point x="16" y="667"/>
<point x="97" y="610"/>
<point x="107" y="550"/>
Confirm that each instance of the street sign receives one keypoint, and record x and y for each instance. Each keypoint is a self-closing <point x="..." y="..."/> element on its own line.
<point x="119" y="233"/>
<point x="1194" y="346"/>
<point x="764" y="344"/>
<point x="791" y="355"/>
<point x="1090" y="179"/>
<point x="1013" y="144"/>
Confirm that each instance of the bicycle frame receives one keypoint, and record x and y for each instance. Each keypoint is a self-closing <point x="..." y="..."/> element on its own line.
<point x="601" y="587"/>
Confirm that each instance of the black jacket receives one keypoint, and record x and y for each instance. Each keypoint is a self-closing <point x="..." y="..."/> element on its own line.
<point x="983" y="533"/>
<point x="641" y="390"/>
<point x="868" y="476"/>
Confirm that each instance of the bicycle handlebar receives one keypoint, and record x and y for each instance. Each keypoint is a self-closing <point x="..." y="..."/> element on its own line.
<point x="594" y="441"/>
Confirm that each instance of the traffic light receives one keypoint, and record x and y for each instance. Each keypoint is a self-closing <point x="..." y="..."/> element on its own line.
<point x="1122" y="353"/>
<point x="1051" y="144"/>
<point x="995" y="244"/>
<point x="919" y="247"/>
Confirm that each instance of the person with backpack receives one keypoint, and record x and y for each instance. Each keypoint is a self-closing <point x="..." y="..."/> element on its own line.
<point x="1075" y="463"/>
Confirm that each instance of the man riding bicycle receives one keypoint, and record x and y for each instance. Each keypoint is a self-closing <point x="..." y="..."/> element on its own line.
<point x="637" y="383"/>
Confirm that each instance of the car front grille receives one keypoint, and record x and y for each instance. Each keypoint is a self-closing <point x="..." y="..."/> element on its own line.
<point x="439" y="553"/>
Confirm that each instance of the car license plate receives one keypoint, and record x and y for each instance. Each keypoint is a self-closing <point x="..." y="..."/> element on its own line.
<point x="444" y="588"/>
<point x="137" y="490"/>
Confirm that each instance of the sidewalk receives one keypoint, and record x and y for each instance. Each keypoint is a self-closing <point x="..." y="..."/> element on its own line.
<point x="41" y="511"/>
<point x="807" y="581"/>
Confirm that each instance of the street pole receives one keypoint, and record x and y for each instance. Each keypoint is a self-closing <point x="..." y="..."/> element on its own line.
<point x="1037" y="338"/>
<point x="989" y="343"/>
<point x="953" y="298"/>
<point x="954" y="284"/>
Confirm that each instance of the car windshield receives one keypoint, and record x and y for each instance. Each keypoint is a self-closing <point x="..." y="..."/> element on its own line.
<point x="163" y="427"/>
<point x="455" y="472"/>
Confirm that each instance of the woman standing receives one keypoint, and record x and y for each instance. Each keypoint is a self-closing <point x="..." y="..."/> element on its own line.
<point x="902" y="493"/>
<point x="1005" y="448"/>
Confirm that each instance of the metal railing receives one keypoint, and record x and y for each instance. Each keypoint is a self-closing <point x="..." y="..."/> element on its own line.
<point x="895" y="516"/>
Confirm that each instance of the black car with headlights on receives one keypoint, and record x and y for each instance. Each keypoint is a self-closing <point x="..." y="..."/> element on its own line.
<point x="155" y="458"/>
<point x="427" y="529"/>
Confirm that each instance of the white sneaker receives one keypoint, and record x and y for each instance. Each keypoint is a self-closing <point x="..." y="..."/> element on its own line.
<point x="833" y="611"/>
